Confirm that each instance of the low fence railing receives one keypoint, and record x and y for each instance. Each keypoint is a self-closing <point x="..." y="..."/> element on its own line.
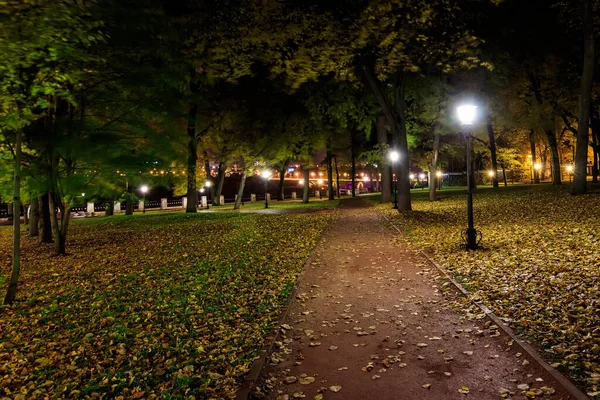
<point x="89" y="209"/>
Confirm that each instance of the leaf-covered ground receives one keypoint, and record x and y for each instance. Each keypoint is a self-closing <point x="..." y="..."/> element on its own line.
<point x="284" y="205"/>
<point x="154" y="306"/>
<point x="540" y="265"/>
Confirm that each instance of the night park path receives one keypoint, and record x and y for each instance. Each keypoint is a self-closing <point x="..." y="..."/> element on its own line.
<point x="371" y="320"/>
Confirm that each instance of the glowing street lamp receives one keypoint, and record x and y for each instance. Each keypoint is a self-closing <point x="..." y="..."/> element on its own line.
<point x="144" y="190"/>
<point x="570" y="171"/>
<point x="266" y="174"/>
<point x="394" y="157"/>
<point x="439" y="175"/>
<point x="207" y="185"/>
<point x="467" y="114"/>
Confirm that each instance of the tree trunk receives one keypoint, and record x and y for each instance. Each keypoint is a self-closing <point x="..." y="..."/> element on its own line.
<point x="585" y="98"/>
<point x="11" y="291"/>
<point x="192" y="161"/>
<point x="280" y="189"/>
<point x="110" y="208"/>
<point x="396" y="121"/>
<point x="34" y="218"/>
<point x="330" y="193"/>
<point x="306" y="187"/>
<point x="504" y="175"/>
<point x="128" y="204"/>
<point x="536" y="176"/>
<point x="544" y="162"/>
<point x="45" y="224"/>
<point x="402" y="173"/>
<point x="219" y="186"/>
<point x="240" y="193"/>
<point x="59" y="228"/>
<point x="433" y="166"/>
<point x="26" y="215"/>
<point x="596" y="154"/>
<point x="211" y="189"/>
<point x="555" y="160"/>
<point x="61" y="247"/>
<point x="353" y="156"/>
<point x="492" y="140"/>
<point x="337" y="178"/>
<point x="386" y="188"/>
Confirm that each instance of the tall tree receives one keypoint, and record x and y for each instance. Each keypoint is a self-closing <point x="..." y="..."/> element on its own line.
<point x="40" y="43"/>
<point x="585" y="99"/>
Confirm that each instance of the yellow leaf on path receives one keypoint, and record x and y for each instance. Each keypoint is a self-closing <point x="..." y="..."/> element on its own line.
<point x="463" y="390"/>
<point x="307" y="380"/>
<point x="335" y="388"/>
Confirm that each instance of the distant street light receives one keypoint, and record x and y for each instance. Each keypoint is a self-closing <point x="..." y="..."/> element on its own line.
<point x="266" y="174"/>
<point x="570" y="171"/>
<point x="394" y="157"/>
<point x="208" y="184"/>
<point x="537" y="167"/>
<point x="466" y="115"/>
<point x="144" y="190"/>
<point x="439" y="175"/>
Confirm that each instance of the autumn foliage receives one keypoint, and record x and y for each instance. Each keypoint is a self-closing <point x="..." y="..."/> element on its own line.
<point x="152" y="306"/>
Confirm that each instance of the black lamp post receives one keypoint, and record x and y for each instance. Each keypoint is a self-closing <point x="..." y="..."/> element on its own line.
<point x="208" y="184"/>
<point x="466" y="115"/>
<point x="266" y="174"/>
<point x="394" y="156"/>
<point x="144" y="189"/>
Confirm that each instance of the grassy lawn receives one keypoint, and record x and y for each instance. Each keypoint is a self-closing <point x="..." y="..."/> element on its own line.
<point x="283" y="205"/>
<point x="539" y="266"/>
<point x="149" y="306"/>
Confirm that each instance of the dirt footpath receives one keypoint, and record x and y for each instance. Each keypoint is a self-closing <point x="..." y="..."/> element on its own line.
<point x="371" y="320"/>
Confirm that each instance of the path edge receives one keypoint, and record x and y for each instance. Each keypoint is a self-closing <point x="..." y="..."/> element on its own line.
<point x="251" y="378"/>
<point x="569" y="387"/>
